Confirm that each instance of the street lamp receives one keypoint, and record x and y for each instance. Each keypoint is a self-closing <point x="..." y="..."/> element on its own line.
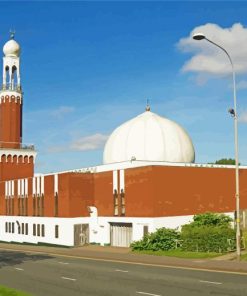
<point x="233" y="112"/>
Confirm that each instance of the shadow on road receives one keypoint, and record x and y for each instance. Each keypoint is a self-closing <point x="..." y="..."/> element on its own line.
<point x="13" y="258"/>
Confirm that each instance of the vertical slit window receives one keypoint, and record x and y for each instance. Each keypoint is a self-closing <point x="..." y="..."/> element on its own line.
<point x="43" y="230"/>
<point x="13" y="227"/>
<point x="26" y="206"/>
<point x="34" y="206"/>
<point x="122" y="196"/>
<point x="19" y="206"/>
<point x="34" y="229"/>
<point x="6" y="227"/>
<point x="38" y="229"/>
<point x="26" y="228"/>
<point x="56" y="205"/>
<point x="22" y="228"/>
<point x="56" y="231"/>
<point x="115" y="201"/>
<point x="42" y="205"/>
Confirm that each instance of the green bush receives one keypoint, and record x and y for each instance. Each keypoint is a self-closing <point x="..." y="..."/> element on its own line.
<point x="163" y="239"/>
<point x="207" y="238"/>
<point x="209" y="232"/>
<point x="211" y="219"/>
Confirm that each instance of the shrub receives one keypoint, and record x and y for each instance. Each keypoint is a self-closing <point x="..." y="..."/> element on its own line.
<point x="208" y="232"/>
<point x="163" y="239"/>
<point x="211" y="219"/>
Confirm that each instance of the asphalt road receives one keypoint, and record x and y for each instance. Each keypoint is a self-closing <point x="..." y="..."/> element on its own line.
<point x="45" y="275"/>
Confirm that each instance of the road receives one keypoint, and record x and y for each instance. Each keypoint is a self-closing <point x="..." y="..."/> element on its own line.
<point x="45" y="275"/>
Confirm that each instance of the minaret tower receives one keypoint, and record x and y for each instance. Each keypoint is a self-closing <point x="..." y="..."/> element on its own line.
<point x="13" y="154"/>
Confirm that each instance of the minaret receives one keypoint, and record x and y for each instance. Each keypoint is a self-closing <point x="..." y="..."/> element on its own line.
<point x="12" y="150"/>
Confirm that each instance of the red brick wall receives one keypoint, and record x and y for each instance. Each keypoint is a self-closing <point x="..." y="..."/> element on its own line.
<point x="10" y="122"/>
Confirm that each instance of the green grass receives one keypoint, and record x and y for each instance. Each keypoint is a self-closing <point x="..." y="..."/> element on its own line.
<point x="244" y="257"/>
<point x="180" y="254"/>
<point x="4" y="291"/>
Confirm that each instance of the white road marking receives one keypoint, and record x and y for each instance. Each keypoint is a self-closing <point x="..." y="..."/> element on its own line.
<point x="207" y="282"/>
<point x="145" y="293"/>
<point x="124" y="262"/>
<point x="19" y="268"/>
<point x="69" y="279"/>
<point x="63" y="262"/>
<point x="120" y="270"/>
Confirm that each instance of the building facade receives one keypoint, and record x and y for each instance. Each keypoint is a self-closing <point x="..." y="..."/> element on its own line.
<point x="150" y="183"/>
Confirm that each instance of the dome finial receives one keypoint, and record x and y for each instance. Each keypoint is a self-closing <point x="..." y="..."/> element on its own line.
<point x="148" y="106"/>
<point x="12" y="34"/>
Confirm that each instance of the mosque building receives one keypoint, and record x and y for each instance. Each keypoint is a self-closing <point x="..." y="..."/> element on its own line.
<point x="148" y="180"/>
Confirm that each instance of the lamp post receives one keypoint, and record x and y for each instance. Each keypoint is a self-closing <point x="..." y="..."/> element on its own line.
<point x="233" y="112"/>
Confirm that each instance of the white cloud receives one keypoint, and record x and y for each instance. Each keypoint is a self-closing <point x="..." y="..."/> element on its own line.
<point x="242" y="84"/>
<point x="243" y="117"/>
<point x="92" y="142"/>
<point x="61" y="111"/>
<point x="207" y="58"/>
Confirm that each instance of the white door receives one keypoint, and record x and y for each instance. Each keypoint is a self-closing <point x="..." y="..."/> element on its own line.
<point x="121" y="234"/>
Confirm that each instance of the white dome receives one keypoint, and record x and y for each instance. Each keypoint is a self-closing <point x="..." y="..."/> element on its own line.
<point x="149" y="137"/>
<point x="11" y="48"/>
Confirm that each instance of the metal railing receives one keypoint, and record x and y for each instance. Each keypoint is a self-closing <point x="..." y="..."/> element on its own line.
<point x="15" y="145"/>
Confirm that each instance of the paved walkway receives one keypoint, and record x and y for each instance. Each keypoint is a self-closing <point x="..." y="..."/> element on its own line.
<point x="226" y="262"/>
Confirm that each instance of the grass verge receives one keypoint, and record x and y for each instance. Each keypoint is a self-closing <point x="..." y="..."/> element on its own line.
<point x="244" y="257"/>
<point x="4" y="291"/>
<point x="180" y="254"/>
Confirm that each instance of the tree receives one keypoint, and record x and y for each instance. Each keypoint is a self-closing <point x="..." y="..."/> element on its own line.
<point x="228" y="161"/>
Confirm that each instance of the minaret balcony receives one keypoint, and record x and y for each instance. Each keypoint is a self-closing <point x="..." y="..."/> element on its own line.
<point x="19" y="146"/>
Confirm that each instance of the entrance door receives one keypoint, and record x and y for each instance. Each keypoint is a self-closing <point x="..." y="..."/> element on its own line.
<point x="81" y="234"/>
<point x="121" y="234"/>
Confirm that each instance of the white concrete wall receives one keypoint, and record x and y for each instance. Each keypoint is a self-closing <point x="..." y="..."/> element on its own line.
<point x="99" y="228"/>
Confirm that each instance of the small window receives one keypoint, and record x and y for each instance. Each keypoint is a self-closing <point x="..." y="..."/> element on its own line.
<point x="56" y="231"/>
<point x="115" y="201"/>
<point x="22" y="228"/>
<point x="26" y="228"/>
<point x="6" y="227"/>
<point x="43" y="230"/>
<point x="10" y="227"/>
<point x="13" y="227"/>
<point x="56" y="205"/>
<point x="34" y="229"/>
<point x="38" y="229"/>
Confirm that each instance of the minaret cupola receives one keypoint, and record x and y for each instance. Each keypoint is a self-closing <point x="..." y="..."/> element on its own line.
<point x="11" y="65"/>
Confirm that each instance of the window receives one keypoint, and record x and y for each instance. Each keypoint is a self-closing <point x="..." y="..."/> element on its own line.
<point x="115" y="200"/>
<point x="22" y="228"/>
<point x="10" y="227"/>
<point x="6" y="207"/>
<point x="34" y="206"/>
<point x="12" y="206"/>
<point x="6" y="227"/>
<point x="42" y="204"/>
<point x="13" y="227"/>
<point x="56" y="205"/>
<point x="19" y="206"/>
<point x="56" y="231"/>
<point x="34" y="229"/>
<point x="122" y="195"/>
<point x="38" y="229"/>
<point x="38" y="205"/>
<point x="26" y="228"/>
<point x="26" y="206"/>
<point x="43" y="230"/>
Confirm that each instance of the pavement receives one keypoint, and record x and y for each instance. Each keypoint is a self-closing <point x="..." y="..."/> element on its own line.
<point x="225" y="263"/>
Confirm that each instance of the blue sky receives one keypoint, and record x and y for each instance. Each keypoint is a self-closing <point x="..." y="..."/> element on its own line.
<point x="87" y="67"/>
